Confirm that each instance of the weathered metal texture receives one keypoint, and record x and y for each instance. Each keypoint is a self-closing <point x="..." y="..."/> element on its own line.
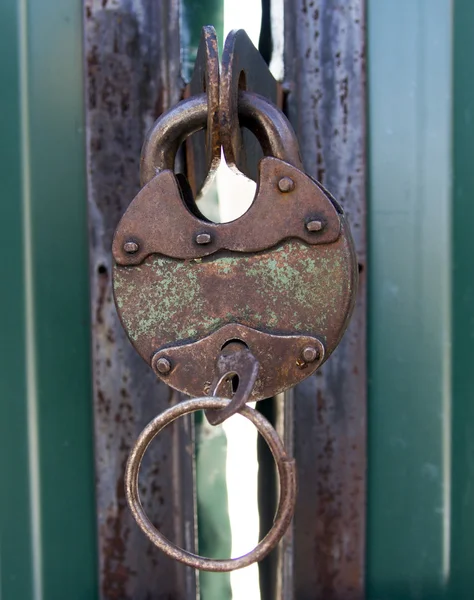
<point x="159" y="220"/>
<point x="227" y="273"/>
<point x="203" y="150"/>
<point x="132" y="66"/>
<point x="283" y="410"/>
<point x="243" y="68"/>
<point x="267" y="122"/>
<point x="286" y="470"/>
<point x="292" y="289"/>
<point x="325" y="78"/>
<point x="235" y="364"/>
<point x="281" y="358"/>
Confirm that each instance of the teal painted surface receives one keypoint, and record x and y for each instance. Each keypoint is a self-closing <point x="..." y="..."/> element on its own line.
<point x="211" y="491"/>
<point x="48" y="528"/>
<point x="195" y="15"/>
<point x="410" y="400"/>
<point x="16" y="568"/>
<point x="462" y="500"/>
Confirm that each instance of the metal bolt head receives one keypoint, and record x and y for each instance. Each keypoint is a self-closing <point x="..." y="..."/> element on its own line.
<point x="203" y="238"/>
<point x="163" y="366"/>
<point x="310" y="354"/>
<point x="314" y="225"/>
<point x="130" y="247"/>
<point x="286" y="184"/>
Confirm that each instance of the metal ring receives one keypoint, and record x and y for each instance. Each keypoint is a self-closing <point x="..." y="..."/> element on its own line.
<point x="286" y="471"/>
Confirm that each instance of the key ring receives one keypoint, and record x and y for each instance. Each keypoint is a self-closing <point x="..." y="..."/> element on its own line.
<point x="286" y="471"/>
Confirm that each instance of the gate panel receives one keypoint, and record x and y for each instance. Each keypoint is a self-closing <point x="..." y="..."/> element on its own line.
<point x="410" y="323"/>
<point x="48" y="522"/>
<point x="325" y="78"/>
<point x="133" y="75"/>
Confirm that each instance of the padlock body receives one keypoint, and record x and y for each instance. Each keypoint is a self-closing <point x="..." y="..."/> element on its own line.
<point x="293" y="289"/>
<point x="284" y="276"/>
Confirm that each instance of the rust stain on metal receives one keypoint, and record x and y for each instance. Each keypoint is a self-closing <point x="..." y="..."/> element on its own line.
<point x="203" y="150"/>
<point x="176" y="289"/>
<point x="326" y="104"/>
<point x="234" y="360"/>
<point x="272" y="129"/>
<point x="243" y="68"/>
<point x="116" y="570"/>
<point x="132" y="63"/>
<point x="159" y="220"/>
<point x="286" y="470"/>
<point x="291" y="289"/>
<point x="280" y="358"/>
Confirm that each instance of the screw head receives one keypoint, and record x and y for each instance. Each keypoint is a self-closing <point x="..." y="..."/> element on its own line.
<point x="286" y="184"/>
<point x="163" y="366"/>
<point x="130" y="247"/>
<point x="203" y="238"/>
<point x="310" y="354"/>
<point x="314" y="226"/>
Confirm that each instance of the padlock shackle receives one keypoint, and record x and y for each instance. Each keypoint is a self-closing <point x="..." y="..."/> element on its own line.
<point x="167" y="134"/>
<point x="270" y="126"/>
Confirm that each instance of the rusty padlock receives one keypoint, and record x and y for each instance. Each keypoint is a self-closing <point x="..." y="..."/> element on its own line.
<point x="281" y="278"/>
<point x="265" y="298"/>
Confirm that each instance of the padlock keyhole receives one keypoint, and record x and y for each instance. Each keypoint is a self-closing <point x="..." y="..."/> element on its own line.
<point x="234" y="341"/>
<point x="234" y="381"/>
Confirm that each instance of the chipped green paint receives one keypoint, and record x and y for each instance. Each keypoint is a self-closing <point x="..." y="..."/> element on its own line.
<point x="293" y="288"/>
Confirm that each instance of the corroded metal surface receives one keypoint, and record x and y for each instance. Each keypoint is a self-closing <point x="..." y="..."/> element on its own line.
<point x="203" y="150"/>
<point x="132" y="67"/>
<point x="273" y="130"/>
<point x="325" y="77"/>
<point x="281" y="359"/>
<point x="290" y="289"/>
<point x="159" y="220"/>
<point x="236" y="367"/>
<point x="243" y="68"/>
<point x="168" y="132"/>
<point x="286" y="470"/>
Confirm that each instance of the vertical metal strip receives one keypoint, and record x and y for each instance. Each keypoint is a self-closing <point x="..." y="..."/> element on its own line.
<point x="461" y="573"/>
<point x="31" y="379"/>
<point x="269" y="567"/>
<point x="285" y="561"/>
<point x="325" y="78"/>
<point x="18" y="564"/>
<point x="132" y="54"/>
<point x="47" y="529"/>
<point x="411" y="317"/>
